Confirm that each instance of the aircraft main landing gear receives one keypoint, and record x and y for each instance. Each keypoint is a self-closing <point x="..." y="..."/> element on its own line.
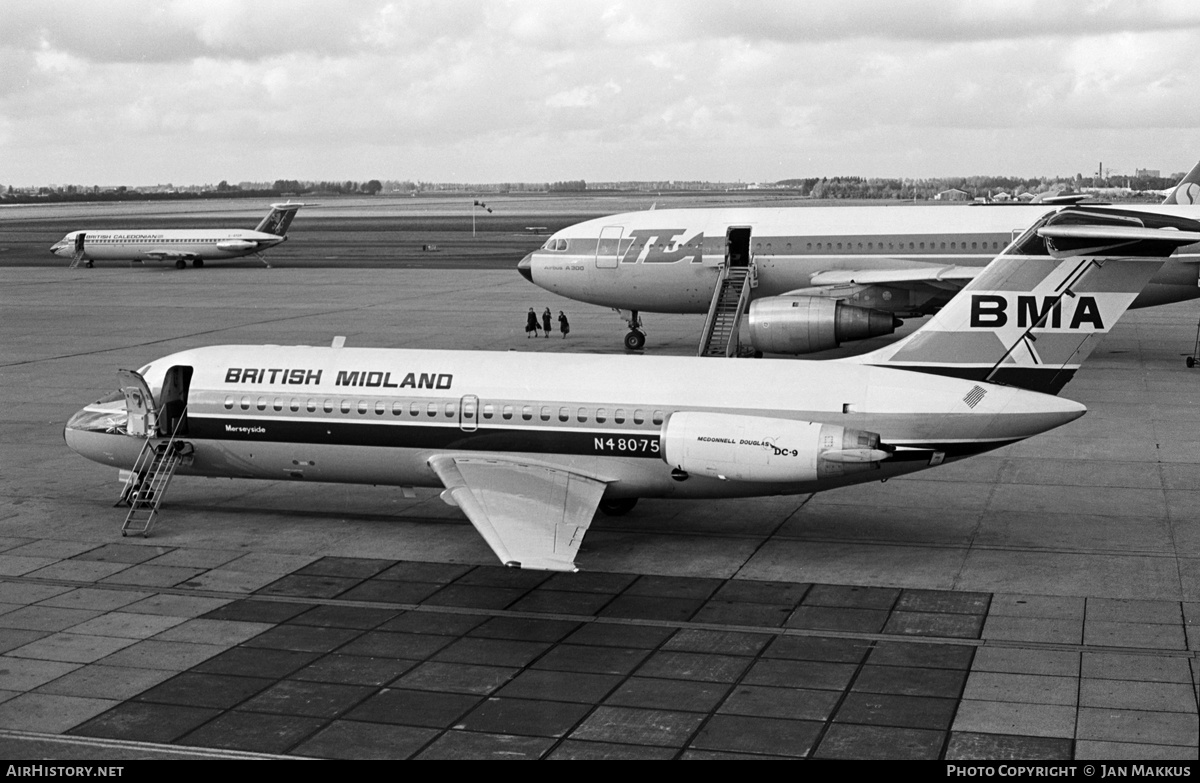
<point x="635" y="340"/>
<point x="198" y="263"/>
<point x="181" y="264"/>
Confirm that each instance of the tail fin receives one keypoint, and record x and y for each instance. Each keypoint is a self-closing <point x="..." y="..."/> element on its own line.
<point x="279" y="218"/>
<point x="1188" y="189"/>
<point x="1039" y="308"/>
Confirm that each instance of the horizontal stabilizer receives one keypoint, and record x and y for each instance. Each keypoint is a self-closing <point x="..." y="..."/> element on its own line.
<point x="1121" y="234"/>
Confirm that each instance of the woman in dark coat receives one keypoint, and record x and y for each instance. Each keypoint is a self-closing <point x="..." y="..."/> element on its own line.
<point x="546" y="321"/>
<point x="530" y="323"/>
<point x="563" y="324"/>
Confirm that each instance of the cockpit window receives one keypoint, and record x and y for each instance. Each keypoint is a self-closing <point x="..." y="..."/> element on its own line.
<point x="555" y="245"/>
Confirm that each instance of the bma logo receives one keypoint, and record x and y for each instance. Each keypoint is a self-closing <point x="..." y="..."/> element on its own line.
<point x="660" y="246"/>
<point x="991" y="311"/>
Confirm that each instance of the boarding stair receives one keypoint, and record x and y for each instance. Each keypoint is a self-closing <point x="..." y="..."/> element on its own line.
<point x="730" y="298"/>
<point x="148" y="482"/>
<point x="76" y="259"/>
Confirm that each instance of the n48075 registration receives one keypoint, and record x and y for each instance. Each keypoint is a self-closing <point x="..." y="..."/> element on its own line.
<point x="626" y="445"/>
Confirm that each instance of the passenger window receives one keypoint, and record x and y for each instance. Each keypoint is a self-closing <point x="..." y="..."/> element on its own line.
<point x="380" y="408"/>
<point x="278" y="404"/>
<point x="449" y="410"/>
<point x="262" y="403"/>
<point x="546" y="413"/>
<point x="564" y="414"/>
<point x="397" y="408"/>
<point x="229" y="403"/>
<point x="431" y="409"/>
<point x="658" y="417"/>
<point x="619" y="416"/>
<point x="601" y="415"/>
<point x="345" y="406"/>
<point x="582" y="414"/>
<point x="507" y="412"/>
<point x="414" y="409"/>
<point x="527" y="413"/>
<point x="639" y="416"/>
<point x="295" y="405"/>
<point x="329" y="406"/>
<point x="488" y="410"/>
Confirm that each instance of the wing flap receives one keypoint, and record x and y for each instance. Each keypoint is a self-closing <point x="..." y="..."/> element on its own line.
<point x="899" y="277"/>
<point x="532" y="515"/>
<point x="168" y="255"/>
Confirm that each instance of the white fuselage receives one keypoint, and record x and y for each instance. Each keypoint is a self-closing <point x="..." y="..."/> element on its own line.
<point x="378" y="416"/>
<point x="164" y="244"/>
<point x="668" y="260"/>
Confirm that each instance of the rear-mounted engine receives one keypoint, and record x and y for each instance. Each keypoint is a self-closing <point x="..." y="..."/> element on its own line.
<point x="752" y="448"/>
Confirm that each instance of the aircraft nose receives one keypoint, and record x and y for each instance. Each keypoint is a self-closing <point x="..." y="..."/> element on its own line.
<point x="526" y="267"/>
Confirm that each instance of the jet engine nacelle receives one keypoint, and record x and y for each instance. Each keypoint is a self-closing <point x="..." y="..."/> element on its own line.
<point x="804" y="324"/>
<point x="753" y="448"/>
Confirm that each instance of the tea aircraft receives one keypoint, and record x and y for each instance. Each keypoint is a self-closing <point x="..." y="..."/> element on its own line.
<point x="178" y="245"/>
<point x="805" y="279"/>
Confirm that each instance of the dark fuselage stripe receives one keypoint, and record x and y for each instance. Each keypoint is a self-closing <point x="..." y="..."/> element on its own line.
<point x="610" y="443"/>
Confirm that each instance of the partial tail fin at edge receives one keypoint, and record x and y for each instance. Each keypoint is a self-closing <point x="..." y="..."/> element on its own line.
<point x="279" y="219"/>
<point x="1188" y="189"/>
<point x="1034" y="314"/>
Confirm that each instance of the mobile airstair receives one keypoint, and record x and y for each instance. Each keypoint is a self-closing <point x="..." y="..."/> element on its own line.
<point x="730" y="298"/>
<point x="148" y="482"/>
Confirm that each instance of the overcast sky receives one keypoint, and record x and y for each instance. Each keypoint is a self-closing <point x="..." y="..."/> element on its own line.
<point x="195" y="91"/>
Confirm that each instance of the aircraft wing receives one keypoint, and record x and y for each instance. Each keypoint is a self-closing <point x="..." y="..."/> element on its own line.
<point x="532" y="515"/>
<point x="940" y="277"/>
<point x="169" y="255"/>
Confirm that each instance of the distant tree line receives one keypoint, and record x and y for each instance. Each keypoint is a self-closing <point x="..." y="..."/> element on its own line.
<point x="344" y="188"/>
<point x="845" y="187"/>
<point x="840" y="187"/>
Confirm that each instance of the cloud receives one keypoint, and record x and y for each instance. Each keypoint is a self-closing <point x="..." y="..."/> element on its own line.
<point x="498" y="90"/>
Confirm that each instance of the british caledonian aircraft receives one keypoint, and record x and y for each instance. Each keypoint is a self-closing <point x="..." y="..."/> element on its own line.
<point x="806" y="278"/>
<point x="530" y="464"/>
<point x="179" y="245"/>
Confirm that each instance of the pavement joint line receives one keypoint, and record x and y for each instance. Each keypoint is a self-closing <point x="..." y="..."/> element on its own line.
<point x="682" y="625"/>
<point x="988" y="547"/>
<point x="134" y="745"/>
